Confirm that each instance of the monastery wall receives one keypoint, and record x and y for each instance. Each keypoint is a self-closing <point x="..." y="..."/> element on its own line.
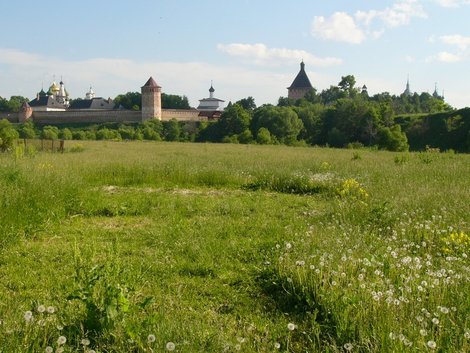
<point x="84" y="116"/>
<point x="182" y="115"/>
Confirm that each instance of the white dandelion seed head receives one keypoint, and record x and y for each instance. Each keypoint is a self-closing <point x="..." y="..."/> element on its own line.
<point x="170" y="346"/>
<point x="49" y="349"/>
<point x="288" y="246"/>
<point x="467" y="335"/>
<point x="435" y="321"/>
<point x="444" y="310"/>
<point x="238" y="347"/>
<point x="291" y="326"/>
<point x="59" y="350"/>
<point x="61" y="340"/>
<point x="85" y="342"/>
<point x="348" y="346"/>
<point x="423" y="332"/>
<point x="41" y="308"/>
<point x="28" y="316"/>
<point x="431" y="344"/>
<point x="151" y="338"/>
<point x="277" y="345"/>
<point x="50" y="309"/>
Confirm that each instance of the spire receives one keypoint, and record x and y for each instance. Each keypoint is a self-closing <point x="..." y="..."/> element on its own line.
<point x="301" y="80"/>
<point x="435" y="94"/>
<point x="407" y="91"/>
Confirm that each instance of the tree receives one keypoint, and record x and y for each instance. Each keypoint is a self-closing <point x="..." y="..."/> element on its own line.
<point x="247" y="103"/>
<point x="282" y="122"/>
<point x="171" y="130"/>
<point x="50" y="132"/>
<point x="27" y="130"/>
<point x="263" y="137"/>
<point x="130" y="100"/>
<point x="234" y="120"/>
<point x="173" y="101"/>
<point x="347" y="84"/>
<point x="393" y="139"/>
<point x="65" y="134"/>
<point x="8" y="135"/>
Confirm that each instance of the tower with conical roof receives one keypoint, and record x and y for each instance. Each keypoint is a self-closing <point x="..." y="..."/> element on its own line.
<point x="151" y="100"/>
<point x="301" y="84"/>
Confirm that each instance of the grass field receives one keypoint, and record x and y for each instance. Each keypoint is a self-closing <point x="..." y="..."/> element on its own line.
<point x="153" y="247"/>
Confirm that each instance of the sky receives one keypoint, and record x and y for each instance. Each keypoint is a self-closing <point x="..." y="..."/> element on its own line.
<point x="245" y="47"/>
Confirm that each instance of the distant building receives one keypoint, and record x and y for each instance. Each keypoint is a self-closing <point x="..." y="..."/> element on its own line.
<point x="301" y="84"/>
<point x="56" y="99"/>
<point x="407" y="91"/>
<point x="211" y="107"/>
<point x="92" y="102"/>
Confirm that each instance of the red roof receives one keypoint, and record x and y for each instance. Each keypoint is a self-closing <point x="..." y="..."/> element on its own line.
<point x="151" y="83"/>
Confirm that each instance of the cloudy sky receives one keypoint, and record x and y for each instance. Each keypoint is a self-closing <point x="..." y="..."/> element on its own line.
<point x="246" y="47"/>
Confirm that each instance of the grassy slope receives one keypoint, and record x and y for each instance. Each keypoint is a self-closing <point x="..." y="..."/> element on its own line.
<point x="176" y="222"/>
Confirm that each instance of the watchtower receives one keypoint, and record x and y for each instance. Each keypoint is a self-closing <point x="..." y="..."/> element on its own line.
<point x="151" y="100"/>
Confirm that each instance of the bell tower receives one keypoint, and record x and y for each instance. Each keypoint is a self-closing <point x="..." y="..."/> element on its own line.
<point x="151" y="100"/>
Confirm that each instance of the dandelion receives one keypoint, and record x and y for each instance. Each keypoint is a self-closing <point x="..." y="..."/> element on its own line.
<point x="41" y="308"/>
<point x="238" y="347"/>
<point x="435" y="321"/>
<point x="431" y="344"/>
<point x="444" y="310"/>
<point x="85" y="342"/>
<point x="277" y="345"/>
<point x="91" y="351"/>
<point x="291" y="326"/>
<point x="28" y="316"/>
<point x="423" y="332"/>
<point x="288" y="246"/>
<point x="49" y="349"/>
<point x="151" y="338"/>
<point x="170" y="346"/>
<point x="348" y="346"/>
<point x="61" y="340"/>
<point x="300" y="263"/>
<point x="467" y="335"/>
<point x="59" y="350"/>
<point x="50" y="309"/>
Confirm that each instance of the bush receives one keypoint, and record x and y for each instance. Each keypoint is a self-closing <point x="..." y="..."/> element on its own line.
<point x="393" y="139"/>
<point x="264" y="136"/>
<point x="8" y="135"/>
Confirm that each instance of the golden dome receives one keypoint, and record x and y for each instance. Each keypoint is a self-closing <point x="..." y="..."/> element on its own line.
<point x="54" y="87"/>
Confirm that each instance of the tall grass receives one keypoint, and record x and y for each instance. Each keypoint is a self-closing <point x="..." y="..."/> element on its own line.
<point x="142" y="247"/>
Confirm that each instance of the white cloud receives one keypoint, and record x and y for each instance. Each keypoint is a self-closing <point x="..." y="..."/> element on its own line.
<point x="452" y="3"/>
<point x="260" y="54"/>
<point x="339" y="27"/>
<point x="356" y="28"/>
<point x="445" y="57"/>
<point x="456" y="39"/>
<point x="23" y="73"/>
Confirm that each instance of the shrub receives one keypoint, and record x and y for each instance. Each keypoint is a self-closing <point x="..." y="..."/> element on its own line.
<point x="8" y="135"/>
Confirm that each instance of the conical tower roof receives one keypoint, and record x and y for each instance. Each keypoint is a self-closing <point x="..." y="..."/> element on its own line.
<point x="151" y="83"/>
<point x="301" y="80"/>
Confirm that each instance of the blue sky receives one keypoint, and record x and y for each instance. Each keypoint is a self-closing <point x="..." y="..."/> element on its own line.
<point x="247" y="47"/>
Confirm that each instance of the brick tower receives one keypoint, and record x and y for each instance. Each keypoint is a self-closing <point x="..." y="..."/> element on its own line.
<point x="151" y="100"/>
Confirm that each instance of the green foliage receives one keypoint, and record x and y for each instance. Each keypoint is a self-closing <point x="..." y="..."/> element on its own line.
<point x="234" y="120"/>
<point x="27" y="130"/>
<point x="65" y="134"/>
<point x="8" y="135"/>
<point x="263" y="137"/>
<point x="282" y="122"/>
<point x="171" y="130"/>
<point x="173" y="101"/>
<point x="50" y="132"/>
<point x="393" y="139"/>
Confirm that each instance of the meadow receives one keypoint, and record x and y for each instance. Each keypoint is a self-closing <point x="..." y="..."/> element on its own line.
<point x="158" y="246"/>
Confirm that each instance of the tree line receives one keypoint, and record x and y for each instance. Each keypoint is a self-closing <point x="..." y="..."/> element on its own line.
<point x="340" y="116"/>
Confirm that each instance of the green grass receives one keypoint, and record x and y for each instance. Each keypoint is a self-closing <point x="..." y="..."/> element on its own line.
<point x="219" y="247"/>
